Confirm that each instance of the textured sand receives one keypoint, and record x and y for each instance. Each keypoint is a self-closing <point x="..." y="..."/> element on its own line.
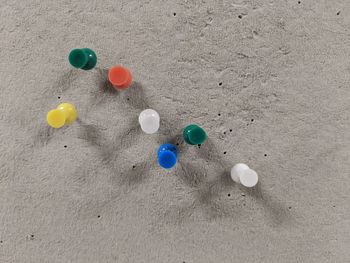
<point x="275" y="72"/>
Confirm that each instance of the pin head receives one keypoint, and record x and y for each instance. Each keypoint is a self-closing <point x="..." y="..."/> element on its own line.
<point x="193" y="134"/>
<point x="78" y="58"/>
<point x="70" y="112"/>
<point x="249" y="178"/>
<point x="56" y="118"/>
<point x="120" y="77"/>
<point x="149" y="121"/>
<point x="83" y="58"/>
<point x="241" y="173"/>
<point x="64" y="114"/>
<point x="167" y="155"/>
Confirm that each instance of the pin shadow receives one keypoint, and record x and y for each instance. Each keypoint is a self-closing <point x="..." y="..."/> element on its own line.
<point x="209" y="153"/>
<point x="277" y="212"/>
<point x="63" y="82"/>
<point x="206" y="193"/>
<point x="136" y="97"/>
<point x="205" y="196"/>
<point x="189" y="174"/>
<point x="138" y="173"/>
<point x="91" y="133"/>
<point x="43" y="136"/>
<point x="110" y="150"/>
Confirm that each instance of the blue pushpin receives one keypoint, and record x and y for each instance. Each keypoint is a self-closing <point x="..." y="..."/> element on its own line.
<point x="167" y="155"/>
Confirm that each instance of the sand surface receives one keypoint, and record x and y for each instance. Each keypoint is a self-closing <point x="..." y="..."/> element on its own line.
<point x="268" y="81"/>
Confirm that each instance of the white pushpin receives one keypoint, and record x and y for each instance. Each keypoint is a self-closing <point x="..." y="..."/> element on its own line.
<point x="149" y="121"/>
<point x="242" y="174"/>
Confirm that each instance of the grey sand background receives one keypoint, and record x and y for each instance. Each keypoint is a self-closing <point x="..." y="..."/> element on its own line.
<point x="268" y="81"/>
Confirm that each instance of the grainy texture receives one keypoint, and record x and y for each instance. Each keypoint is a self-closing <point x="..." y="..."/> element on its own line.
<point x="269" y="82"/>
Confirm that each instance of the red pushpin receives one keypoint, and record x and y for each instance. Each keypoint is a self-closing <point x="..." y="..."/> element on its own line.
<point x="120" y="77"/>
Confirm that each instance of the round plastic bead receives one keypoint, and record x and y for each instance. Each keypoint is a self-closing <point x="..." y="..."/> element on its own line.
<point x="193" y="134"/>
<point x="167" y="155"/>
<point x="64" y="114"/>
<point x="82" y="58"/>
<point x="149" y="121"/>
<point x="120" y="77"/>
<point x="242" y="174"/>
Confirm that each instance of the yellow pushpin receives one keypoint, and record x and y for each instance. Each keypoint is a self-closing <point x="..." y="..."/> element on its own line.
<point x="64" y="114"/>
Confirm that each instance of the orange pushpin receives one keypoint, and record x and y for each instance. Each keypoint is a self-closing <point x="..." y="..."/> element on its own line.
<point x="120" y="77"/>
<point x="64" y="114"/>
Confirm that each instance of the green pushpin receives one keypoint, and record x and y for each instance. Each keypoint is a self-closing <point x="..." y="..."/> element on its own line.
<point x="193" y="134"/>
<point x="83" y="58"/>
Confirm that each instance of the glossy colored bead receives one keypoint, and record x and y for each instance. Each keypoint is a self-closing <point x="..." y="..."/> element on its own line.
<point x="242" y="174"/>
<point x="149" y="121"/>
<point x="64" y="114"/>
<point x="167" y="155"/>
<point x="120" y="77"/>
<point x="83" y="58"/>
<point x="193" y="134"/>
